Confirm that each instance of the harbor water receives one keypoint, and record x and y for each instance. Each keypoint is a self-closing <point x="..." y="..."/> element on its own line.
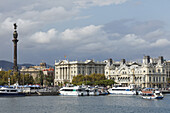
<point x="84" y="104"/>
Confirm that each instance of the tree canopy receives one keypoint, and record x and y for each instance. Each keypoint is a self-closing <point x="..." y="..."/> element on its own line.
<point x="93" y="79"/>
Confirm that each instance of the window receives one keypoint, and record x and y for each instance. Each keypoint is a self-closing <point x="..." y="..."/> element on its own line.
<point x="158" y="70"/>
<point x="149" y="79"/>
<point x="89" y="72"/>
<point x="159" y="79"/>
<point x="163" y="70"/>
<point x="163" y="79"/>
<point x="153" y="79"/>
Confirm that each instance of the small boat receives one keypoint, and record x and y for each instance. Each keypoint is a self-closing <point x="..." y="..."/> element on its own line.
<point x="92" y="91"/>
<point x="130" y="90"/>
<point x="10" y="92"/>
<point x="102" y="91"/>
<point x="73" y="90"/>
<point x="151" y="93"/>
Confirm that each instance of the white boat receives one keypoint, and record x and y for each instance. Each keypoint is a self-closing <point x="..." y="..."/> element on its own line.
<point x="92" y="91"/>
<point x="151" y="93"/>
<point x="130" y="90"/>
<point x="10" y="92"/>
<point x="73" y="90"/>
<point x="102" y="91"/>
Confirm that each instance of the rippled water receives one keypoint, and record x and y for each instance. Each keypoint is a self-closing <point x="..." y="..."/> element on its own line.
<point x="86" y="104"/>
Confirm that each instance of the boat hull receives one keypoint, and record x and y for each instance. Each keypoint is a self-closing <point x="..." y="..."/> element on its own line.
<point x="12" y="94"/>
<point x="74" y="93"/>
<point x="152" y="97"/>
<point x="122" y="92"/>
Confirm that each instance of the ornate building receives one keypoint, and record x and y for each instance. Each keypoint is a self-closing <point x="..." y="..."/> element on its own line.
<point x="37" y="71"/>
<point x="150" y="73"/>
<point x="66" y="70"/>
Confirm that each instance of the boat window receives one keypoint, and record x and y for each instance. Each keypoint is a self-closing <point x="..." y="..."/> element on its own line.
<point x="118" y="89"/>
<point x="127" y="89"/>
<point x="2" y="90"/>
<point x="149" y="94"/>
<point x="13" y="90"/>
<point x="79" y="90"/>
<point x="7" y="90"/>
<point x="67" y="90"/>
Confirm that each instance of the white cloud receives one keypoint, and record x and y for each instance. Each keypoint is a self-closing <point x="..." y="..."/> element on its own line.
<point x="81" y="33"/>
<point x="161" y="43"/>
<point x="133" y="40"/>
<point x="155" y="34"/>
<point x="42" y="37"/>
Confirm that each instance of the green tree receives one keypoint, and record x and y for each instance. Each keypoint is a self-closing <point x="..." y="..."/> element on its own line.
<point x="93" y="79"/>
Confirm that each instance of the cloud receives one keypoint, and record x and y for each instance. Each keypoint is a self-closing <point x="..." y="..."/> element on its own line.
<point x="86" y="3"/>
<point x="94" y="41"/>
<point x="53" y="29"/>
<point x="53" y="14"/>
<point x="161" y="43"/>
<point x="42" y="37"/>
<point x="82" y="17"/>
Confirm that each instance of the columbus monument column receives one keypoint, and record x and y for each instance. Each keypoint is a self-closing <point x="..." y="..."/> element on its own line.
<point x="15" y="40"/>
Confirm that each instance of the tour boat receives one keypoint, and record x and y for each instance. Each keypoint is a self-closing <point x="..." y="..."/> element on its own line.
<point x="73" y="90"/>
<point x="151" y="93"/>
<point x="10" y="92"/>
<point x="130" y="90"/>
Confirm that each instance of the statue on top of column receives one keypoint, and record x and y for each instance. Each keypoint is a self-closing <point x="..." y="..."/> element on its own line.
<point x="15" y="26"/>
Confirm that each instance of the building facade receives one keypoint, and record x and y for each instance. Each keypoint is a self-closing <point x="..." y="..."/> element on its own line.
<point x="168" y="72"/>
<point x="65" y="70"/>
<point x="37" y="71"/>
<point x="150" y="73"/>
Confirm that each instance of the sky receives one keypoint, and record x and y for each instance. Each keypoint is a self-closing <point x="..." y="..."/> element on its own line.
<point x="49" y="30"/>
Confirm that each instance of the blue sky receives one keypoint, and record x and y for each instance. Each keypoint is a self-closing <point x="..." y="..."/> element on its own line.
<point x="85" y="29"/>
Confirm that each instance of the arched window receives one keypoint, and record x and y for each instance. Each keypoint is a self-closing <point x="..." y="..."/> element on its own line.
<point x="159" y="71"/>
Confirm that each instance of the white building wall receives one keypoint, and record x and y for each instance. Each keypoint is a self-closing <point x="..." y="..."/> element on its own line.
<point x="150" y="73"/>
<point x="66" y="70"/>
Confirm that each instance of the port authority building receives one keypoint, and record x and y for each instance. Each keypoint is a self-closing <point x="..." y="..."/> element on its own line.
<point x="65" y="70"/>
<point x="152" y="72"/>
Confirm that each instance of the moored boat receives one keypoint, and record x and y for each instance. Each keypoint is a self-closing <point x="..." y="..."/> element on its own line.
<point x="151" y="93"/>
<point x="10" y="92"/>
<point x="130" y="90"/>
<point x="73" y="91"/>
<point x="92" y="91"/>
